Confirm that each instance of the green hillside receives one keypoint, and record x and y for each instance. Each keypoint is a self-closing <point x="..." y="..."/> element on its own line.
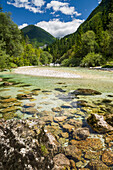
<point x="37" y="35"/>
<point x="72" y="48"/>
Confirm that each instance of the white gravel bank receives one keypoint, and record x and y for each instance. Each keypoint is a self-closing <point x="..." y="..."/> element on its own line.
<point x="45" y="72"/>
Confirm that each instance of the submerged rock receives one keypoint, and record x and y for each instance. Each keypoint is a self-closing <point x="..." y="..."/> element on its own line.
<point x="29" y="105"/>
<point x="97" y="165"/>
<point x="56" y="109"/>
<point x="61" y="162"/>
<point x="8" y="100"/>
<point x="7" y="83"/>
<point x="86" y="92"/>
<point x="81" y="133"/>
<point x="98" y="123"/>
<point x="109" y="119"/>
<point x="60" y="119"/>
<point x="24" y="96"/>
<point x="93" y="144"/>
<point x="107" y="157"/>
<point x="74" y="152"/>
<point x="30" y="110"/>
<point x="60" y="90"/>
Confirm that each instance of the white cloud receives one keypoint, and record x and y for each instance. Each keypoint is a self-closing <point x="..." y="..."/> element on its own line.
<point x="32" y="5"/>
<point x="23" y="25"/>
<point x="62" y="7"/>
<point x="58" y="28"/>
<point x="99" y="1"/>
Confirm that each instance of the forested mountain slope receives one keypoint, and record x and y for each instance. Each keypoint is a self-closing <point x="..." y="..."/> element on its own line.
<point x="93" y="36"/>
<point x="38" y="35"/>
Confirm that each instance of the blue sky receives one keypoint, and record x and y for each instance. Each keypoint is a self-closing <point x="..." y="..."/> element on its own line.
<point x="58" y="17"/>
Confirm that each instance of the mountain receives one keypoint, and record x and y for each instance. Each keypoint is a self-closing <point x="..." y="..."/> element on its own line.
<point x="37" y="35"/>
<point x="69" y="47"/>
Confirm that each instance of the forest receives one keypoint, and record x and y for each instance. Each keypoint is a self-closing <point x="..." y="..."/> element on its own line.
<point x="91" y="44"/>
<point x="15" y="49"/>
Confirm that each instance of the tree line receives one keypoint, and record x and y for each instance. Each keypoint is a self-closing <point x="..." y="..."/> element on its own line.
<point x="91" y="45"/>
<point x="15" y="49"/>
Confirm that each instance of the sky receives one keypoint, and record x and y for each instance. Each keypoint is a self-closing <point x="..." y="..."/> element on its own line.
<point x="58" y="17"/>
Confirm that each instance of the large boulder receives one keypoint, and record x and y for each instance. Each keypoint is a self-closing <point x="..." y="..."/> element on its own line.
<point x="24" y="144"/>
<point x="98" y="123"/>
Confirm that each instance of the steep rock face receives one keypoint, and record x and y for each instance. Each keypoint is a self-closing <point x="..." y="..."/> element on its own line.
<point x="25" y="145"/>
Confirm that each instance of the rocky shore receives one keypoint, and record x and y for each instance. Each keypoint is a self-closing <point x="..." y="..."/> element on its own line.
<point x="77" y="134"/>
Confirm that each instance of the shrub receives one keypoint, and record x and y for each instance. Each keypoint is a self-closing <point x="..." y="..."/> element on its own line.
<point x="92" y="60"/>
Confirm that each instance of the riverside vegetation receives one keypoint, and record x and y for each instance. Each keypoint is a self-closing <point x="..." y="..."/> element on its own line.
<point x="55" y="123"/>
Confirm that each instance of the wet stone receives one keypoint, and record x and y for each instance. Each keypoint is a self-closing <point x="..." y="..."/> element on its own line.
<point x="8" y="100"/>
<point x="93" y="144"/>
<point x="60" y="119"/>
<point x="30" y="111"/>
<point x="73" y="151"/>
<point x="81" y="133"/>
<point x="10" y="109"/>
<point x="65" y="135"/>
<point x="36" y="93"/>
<point x="60" y="162"/>
<point x="92" y="155"/>
<point x="106" y="101"/>
<point x="66" y="106"/>
<point x="56" y="109"/>
<point x="24" y="96"/>
<point x="86" y="92"/>
<point x="98" y="123"/>
<point x="29" y="105"/>
<point x="8" y="84"/>
<point x="107" y="157"/>
<point x="109" y="119"/>
<point x="68" y="127"/>
<point x="72" y="165"/>
<point x="60" y="90"/>
<point x="5" y="97"/>
<point x="98" y="165"/>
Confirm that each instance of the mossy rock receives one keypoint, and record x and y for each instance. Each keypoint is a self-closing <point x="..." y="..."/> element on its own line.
<point x="44" y="150"/>
<point x="5" y="97"/>
<point x="8" y="100"/>
<point x="10" y="115"/>
<point x="9" y="109"/>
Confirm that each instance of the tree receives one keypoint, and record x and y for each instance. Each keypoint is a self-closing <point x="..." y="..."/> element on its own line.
<point x="45" y="58"/>
<point x="3" y="57"/>
<point x="89" y="42"/>
<point x="104" y="43"/>
<point x="92" y="60"/>
<point x="110" y="29"/>
<point x="10" y="34"/>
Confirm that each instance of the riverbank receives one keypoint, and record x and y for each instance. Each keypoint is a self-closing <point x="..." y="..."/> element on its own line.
<point x="45" y="72"/>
